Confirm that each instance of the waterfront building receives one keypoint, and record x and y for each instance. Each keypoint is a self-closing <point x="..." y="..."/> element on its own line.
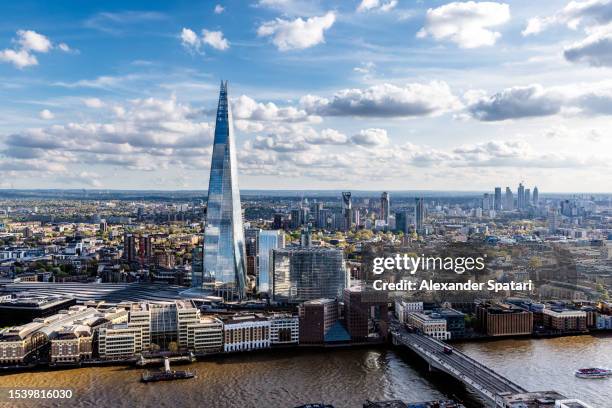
<point x="501" y="319"/>
<point x="430" y="324"/>
<point x="455" y="322"/>
<point x="384" y="207"/>
<point x="284" y="329"/>
<point x="224" y="251"/>
<point x="72" y="344"/>
<point x="301" y="274"/>
<point x="362" y="309"/>
<point x="119" y="341"/>
<point x="403" y="307"/>
<point x="245" y="332"/>
<point x="317" y="317"/>
<point x="565" y="320"/>
<point x="268" y="240"/>
<point x="205" y="336"/>
<point x="18" y="342"/>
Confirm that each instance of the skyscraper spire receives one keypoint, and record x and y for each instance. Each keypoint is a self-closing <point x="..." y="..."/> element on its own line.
<point x="224" y="267"/>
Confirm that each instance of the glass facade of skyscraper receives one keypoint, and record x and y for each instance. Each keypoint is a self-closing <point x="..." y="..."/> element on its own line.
<point x="302" y="274"/>
<point x="268" y="240"/>
<point x="224" y="262"/>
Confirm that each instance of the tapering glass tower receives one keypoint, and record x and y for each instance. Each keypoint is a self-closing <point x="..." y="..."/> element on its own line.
<point x="224" y="266"/>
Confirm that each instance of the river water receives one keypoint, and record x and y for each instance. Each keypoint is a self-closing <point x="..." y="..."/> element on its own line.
<point x="342" y="377"/>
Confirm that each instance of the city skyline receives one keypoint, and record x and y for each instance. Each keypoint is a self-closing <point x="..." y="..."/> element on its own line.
<point x="379" y="96"/>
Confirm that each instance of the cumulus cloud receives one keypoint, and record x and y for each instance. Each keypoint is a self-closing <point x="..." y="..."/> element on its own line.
<point x="297" y="34"/>
<point x="516" y="102"/>
<point x="371" y="137"/>
<point x="194" y="43"/>
<point x="151" y="127"/>
<point x="367" y="5"/>
<point x="219" y="9"/>
<point x="594" y="50"/>
<point x="46" y="114"/>
<point x="385" y="100"/>
<point x="574" y="14"/>
<point x="246" y="108"/>
<point x="28" y="43"/>
<point x="467" y="24"/>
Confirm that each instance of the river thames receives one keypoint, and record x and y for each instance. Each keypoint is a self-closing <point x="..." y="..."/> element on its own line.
<point x="342" y="377"/>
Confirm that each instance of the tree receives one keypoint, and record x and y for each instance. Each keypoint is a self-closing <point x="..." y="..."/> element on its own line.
<point x="173" y="346"/>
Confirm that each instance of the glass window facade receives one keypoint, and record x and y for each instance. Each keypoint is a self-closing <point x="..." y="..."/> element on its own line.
<point x="224" y="259"/>
<point x="303" y="274"/>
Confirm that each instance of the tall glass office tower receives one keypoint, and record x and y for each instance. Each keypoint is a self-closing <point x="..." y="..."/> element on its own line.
<point x="224" y="251"/>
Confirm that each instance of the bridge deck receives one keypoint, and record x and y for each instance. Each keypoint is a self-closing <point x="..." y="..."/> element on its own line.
<point x="475" y="375"/>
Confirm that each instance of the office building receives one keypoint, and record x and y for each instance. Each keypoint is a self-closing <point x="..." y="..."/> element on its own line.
<point x="224" y="251"/>
<point x="403" y="221"/>
<point x="520" y="197"/>
<point x="403" y="307"/>
<point x="362" y="309"/>
<point x="419" y="215"/>
<point x="317" y="317"/>
<point x="527" y="199"/>
<point x="553" y="220"/>
<point x="563" y="320"/>
<point x="25" y="308"/>
<point x="509" y="200"/>
<point x="245" y="332"/>
<point x="284" y="329"/>
<point x="197" y="266"/>
<point x="500" y="319"/>
<point x="384" y="207"/>
<point x="205" y="335"/>
<point x="129" y="247"/>
<point x="72" y="344"/>
<point x="305" y="273"/>
<point x="536" y="196"/>
<point x="347" y="210"/>
<point x="268" y="240"/>
<point x="119" y="341"/>
<point x="497" y="200"/>
<point x="428" y="323"/>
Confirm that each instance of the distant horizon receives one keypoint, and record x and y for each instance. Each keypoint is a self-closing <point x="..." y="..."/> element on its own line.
<point x="294" y="191"/>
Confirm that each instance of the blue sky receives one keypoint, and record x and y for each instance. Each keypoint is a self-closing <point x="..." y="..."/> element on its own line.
<point x="374" y="94"/>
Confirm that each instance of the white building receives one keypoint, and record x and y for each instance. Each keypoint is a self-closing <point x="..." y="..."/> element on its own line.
<point x="429" y="324"/>
<point x="403" y="307"/>
<point x="119" y="341"/>
<point x="284" y="329"/>
<point x="245" y="332"/>
<point x="205" y="336"/>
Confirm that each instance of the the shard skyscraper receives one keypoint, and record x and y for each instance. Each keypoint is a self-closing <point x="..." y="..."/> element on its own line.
<point x="224" y="256"/>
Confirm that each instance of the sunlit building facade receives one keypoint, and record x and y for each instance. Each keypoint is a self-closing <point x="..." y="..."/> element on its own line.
<point x="224" y="250"/>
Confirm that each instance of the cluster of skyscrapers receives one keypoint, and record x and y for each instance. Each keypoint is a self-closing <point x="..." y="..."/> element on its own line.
<point x="524" y="199"/>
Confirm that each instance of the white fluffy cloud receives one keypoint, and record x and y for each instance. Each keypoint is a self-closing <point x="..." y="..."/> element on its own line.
<point x="93" y="103"/>
<point x="28" y="42"/>
<point x="219" y="9"/>
<point x="297" y="34"/>
<point x="574" y="14"/>
<point x="467" y="24"/>
<point x="46" y="114"/>
<point x="246" y="108"/>
<point x="371" y="137"/>
<point x="386" y="100"/>
<point x="194" y="43"/>
<point x="384" y="6"/>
